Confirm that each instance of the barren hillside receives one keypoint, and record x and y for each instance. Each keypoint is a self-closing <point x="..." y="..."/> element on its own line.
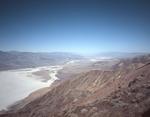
<point x="123" y="91"/>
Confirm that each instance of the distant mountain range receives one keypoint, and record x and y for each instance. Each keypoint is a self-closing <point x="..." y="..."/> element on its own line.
<point x="16" y="60"/>
<point x="120" y="54"/>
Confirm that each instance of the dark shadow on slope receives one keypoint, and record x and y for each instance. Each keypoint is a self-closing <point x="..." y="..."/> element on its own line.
<point x="146" y="113"/>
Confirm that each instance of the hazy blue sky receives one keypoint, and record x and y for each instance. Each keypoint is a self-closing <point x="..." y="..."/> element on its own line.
<point x="83" y="26"/>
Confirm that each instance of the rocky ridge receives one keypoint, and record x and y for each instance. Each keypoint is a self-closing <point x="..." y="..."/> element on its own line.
<point x="123" y="91"/>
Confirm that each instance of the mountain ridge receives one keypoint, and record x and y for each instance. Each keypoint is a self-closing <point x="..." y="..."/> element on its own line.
<point x="122" y="92"/>
<point x="18" y="60"/>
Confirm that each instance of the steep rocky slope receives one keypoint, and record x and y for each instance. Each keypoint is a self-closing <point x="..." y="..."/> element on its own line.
<point x="123" y="91"/>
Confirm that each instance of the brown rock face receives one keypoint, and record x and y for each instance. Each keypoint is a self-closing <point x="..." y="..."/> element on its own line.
<point x="122" y="92"/>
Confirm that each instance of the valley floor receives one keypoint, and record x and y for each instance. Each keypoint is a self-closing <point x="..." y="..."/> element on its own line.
<point x="18" y="84"/>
